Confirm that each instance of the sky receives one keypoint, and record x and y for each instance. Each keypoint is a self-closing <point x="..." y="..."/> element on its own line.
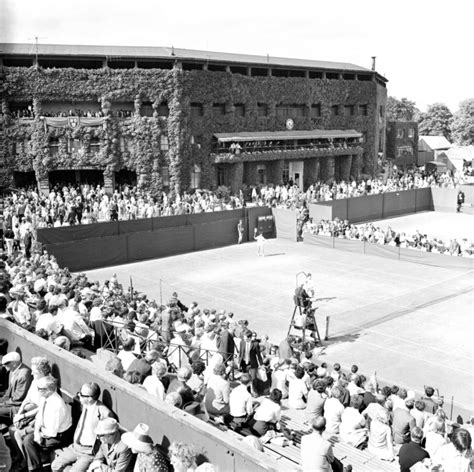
<point x="424" y="48"/>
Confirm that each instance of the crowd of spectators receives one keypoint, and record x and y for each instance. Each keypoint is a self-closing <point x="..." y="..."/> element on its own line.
<point x="216" y="368"/>
<point x="369" y="232"/>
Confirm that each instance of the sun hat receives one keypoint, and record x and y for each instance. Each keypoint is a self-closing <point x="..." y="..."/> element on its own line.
<point x="11" y="357"/>
<point x="107" y="426"/>
<point x="138" y="439"/>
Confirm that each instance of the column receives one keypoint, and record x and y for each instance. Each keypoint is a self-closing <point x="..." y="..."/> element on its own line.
<point x="346" y="167"/>
<point x="330" y="167"/>
<point x="43" y="186"/>
<point x="355" y="167"/>
<point x="237" y="176"/>
<point x="317" y="169"/>
<point x="109" y="182"/>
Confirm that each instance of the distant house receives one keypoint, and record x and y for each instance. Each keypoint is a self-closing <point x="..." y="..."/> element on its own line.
<point x="402" y="142"/>
<point x="430" y="148"/>
<point x="457" y="157"/>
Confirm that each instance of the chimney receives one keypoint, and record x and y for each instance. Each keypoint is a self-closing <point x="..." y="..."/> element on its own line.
<point x="373" y="62"/>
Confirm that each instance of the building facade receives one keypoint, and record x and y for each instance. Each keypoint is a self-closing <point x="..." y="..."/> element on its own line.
<point x="176" y="119"/>
<point x="402" y="142"/>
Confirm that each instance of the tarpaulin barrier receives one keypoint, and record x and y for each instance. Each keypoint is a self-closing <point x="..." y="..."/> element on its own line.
<point x="424" y="199"/>
<point x="365" y="208"/>
<point x="169" y="221"/>
<point x="350" y="245"/>
<point x="90" y="253"/>
<point x="320" y="211"/>
<point x="444" y="199"/>
<point x="215" y="216"/>
<point x="160" y="243"/>
<point x="340" y="209"/>
<point x="135" y="226"/>
<point x="77" y="232"/>
<point x="437" y="260"/>
<point x="398" y="203"/>
<point x="390" y="252"/>
<point x="285" y="223"/>
<point x="211" y="234"/>
<point x="314" y="239"/>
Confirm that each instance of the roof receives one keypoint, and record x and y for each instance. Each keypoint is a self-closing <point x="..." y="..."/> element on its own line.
<point x="286" y="135"/>
<point x="170" y="52"/>
<point x="465" y="153"/>
<point x="432" y="143"/>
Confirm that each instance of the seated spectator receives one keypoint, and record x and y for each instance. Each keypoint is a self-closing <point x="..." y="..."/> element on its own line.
<point x="149" y="457"/>
<point x="174" y="399"/>
<point x="18" y="386"/>
<point x="316" y="452"/>
<point x="143" y="366"/>
<point x="80" y="452"/>
<point x="240" y="403"/>
<point x="412" y="452"/>
<point x="380" y="437"/>
<point x="267" y="415"/>
<point x="297" y="390"/>
<point x="180" y="385"/>
<point x="316" y="400"/>
<point x="52" y="424"/>
<point x="333" y="410"/>
<point x="280" y="377"/>
<point x="154" y="383"/>
<point x="456" y="456"/>
<point x="126" y="355"/>
<point x="435" y="437"/>
<point x="352" y="428"/>
<point x="182" y="457"/>
<point x="113" y="455"/>
<point x="218" y="392"/>
<point x="196" y="382"/>
<point x="403" y="423"/>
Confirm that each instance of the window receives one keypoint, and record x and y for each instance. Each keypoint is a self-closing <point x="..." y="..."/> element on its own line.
<point x="411" y="132"/>
<point x="290" y="111"/>
<point x="163" y="110"/>
<point x="405" y="151"/>
<point x="348" y="110"/>
<point x="218" y="109"/>
<point x="262" y="109"/>
<point x="195" y="176"/>
<point x="315" y="110"/>
<point x="363" y="109"/>
<point x="146" y="109"/>
<point x="335" y="110"/>
<point x="164" y="144"/>
<point x="53" y="146"/>
<point x="165" y="176"/>
<point x="381" y="111"/>
<point x="400" y="133"/>
<point x="239" y="110"/>
<point x="94" y="145"/>
<point x="196" y="110"/>
<point x="262" y="174"/>
<point x="363" y="139"/>
<point x="285" y="174"/>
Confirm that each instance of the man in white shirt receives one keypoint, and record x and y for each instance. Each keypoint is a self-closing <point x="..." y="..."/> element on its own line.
<point x="333" y="410"/>
<point x="80" y="452"/>
<point x="240" y="403"/>
<point x="52" y="423"/>
<point x="316" y="452"/>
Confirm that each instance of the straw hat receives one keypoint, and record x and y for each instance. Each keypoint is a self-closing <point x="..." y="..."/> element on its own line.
<point x="138" y="439"/>
<point x="107" y="426"/>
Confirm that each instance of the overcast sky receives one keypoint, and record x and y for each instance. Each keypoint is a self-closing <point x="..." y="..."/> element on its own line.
<point x="424" y="48"/>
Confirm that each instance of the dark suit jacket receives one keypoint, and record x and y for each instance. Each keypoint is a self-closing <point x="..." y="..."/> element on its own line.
<point x="19" y="383"/>
<point x="255" y="354"/>
<point x="117" y="457"/>
<point x="226" y="344"/>
<point x="410" y="454"/>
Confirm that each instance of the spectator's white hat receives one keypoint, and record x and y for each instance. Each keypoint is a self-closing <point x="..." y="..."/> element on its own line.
<point x="410" y="395"/>
<point x="138" y="439"/>
<point x="107" y="426"/>
<point x="11" y="357"/>
<point x="181" y="328"/>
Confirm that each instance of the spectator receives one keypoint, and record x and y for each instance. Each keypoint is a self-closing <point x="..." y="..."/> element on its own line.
<point x="267" y="415"/>
<point x="412" y="452"/>
<point x="126" y="355"/>
<point x="457" y="455"/>
<point x="316" y="452"/>
<point x="435" y="438"/>
<point x="149" y="457"/>
<point x="249" y="355"/>
<point x="218" y="392"/>
<point x="403" y="423"/>
<point x="154" y="383"/>
<point x="240" y="403"/>
<point x="316" y="400"/>
<point x="380" y="437"/>
<point x="179" y="385"/>
<point x="297" y="390"/>
<point x="430" y="404"/>
<point x="182" y="457"/>
<point x="333" y="410"/>
<point x="352" y="428"/>
<point x="113" y="455"/>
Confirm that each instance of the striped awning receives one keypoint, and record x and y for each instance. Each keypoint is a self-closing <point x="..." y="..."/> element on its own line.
<point x="286" y="135"/>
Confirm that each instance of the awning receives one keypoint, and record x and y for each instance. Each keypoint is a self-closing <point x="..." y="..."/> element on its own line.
<point x="286" y="135"/>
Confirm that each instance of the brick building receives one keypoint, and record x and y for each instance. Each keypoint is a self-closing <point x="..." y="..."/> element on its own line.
<point x="177" y="119"/>
<point x="402" y="142"/>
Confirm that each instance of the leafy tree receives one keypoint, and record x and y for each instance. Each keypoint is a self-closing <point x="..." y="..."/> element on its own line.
<point x="462" y="126"/>
<point x="436" y="121"/>
<point x="401" y="110"/>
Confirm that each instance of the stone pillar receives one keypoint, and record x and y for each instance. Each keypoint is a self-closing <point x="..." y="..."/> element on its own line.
<point x="346" y="168"/>
<point x="317" y="169"/>
<point x="237" y="177"/>
<point x="355" y="167"/>
<point x="109" y="182"/>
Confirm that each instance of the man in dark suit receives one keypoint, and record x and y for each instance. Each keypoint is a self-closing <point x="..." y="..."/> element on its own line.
<point x="113" y="455"/>
<point x="250" y="357"/>
<point x="18" y="385"/>
<point x="412" y="452"/>
<point x="225" y="343"/>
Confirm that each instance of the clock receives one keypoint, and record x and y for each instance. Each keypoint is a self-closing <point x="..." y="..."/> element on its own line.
<point x="290" y="124"/>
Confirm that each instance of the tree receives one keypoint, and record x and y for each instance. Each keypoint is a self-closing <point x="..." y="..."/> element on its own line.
<point x="401" y="110"/>
<point x="462" y="126"/>
<point x="436" y="121"/>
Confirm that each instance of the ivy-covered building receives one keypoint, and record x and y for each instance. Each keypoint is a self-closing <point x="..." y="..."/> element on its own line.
<point x="402" y="142"/>
<point x="178" y="119"/>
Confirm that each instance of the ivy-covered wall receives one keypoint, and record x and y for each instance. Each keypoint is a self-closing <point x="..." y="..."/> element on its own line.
<point x="134" y="143"/>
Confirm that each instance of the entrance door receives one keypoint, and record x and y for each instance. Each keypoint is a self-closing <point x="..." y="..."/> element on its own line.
<point x="296" y="173"/>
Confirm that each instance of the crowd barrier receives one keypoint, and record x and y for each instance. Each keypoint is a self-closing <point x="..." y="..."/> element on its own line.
<point x="85" y="247"/>
<point x="134" y="405"/>
<point x="391" y="252"/>
<point x="374" y="207"/>
<point x="285" y="223"/>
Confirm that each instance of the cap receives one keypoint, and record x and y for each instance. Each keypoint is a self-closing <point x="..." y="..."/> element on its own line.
<point x="11" y="357"/>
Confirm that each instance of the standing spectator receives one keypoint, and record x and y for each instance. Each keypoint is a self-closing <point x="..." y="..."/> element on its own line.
<point x="80" y="452"/>
<point x="460" y="201"/>
<point x="18" y="385"/>
<point x="225" y="342"/>
<point x="52" y="423"/>
<point x="316" y="452"/>
<point x="250" y="356"/>
<point x="430" y="405"/>
<point x="240" y="231"/>
<point x="412" y="452"/>
<point x="113" y="455"/>
<point x="28" y="242"/>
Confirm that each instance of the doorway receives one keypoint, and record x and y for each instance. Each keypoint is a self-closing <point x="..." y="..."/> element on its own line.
<point x="296" y="173"/>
